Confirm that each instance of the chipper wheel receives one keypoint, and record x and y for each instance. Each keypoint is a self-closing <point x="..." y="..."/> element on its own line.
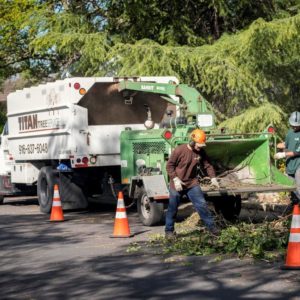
<point x="150" y="212"/>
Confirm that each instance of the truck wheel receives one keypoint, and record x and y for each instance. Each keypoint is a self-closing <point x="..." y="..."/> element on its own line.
<point x="229" y="207"/>
<point x="150" y="212"/>
<point x="1" y="199"/>
<point x="45" y="187"/>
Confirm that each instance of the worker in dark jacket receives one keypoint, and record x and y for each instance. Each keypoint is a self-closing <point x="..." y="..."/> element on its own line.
<point x="182" y="168"/>
<point x="291" y="151"/>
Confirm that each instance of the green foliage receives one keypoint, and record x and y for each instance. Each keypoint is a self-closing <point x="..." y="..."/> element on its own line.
<point x="190" y="23"/>
<point x="237" y="53"/>
<point x="2" y="117"/>
<point x="260" y="241"/>
<point x="233" y="73"/>
<point x="248" y="240"/>
<point x="15" y="36"/>
<point x="133" y="248"/>
<point x="256" y="119"/>
<point x="81" y="48"/>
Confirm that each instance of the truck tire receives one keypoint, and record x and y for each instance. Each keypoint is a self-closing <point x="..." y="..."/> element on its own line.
<point x="1" y="199"/>
<point x="150" y="212"/>
<point x="45" y="187"/>
<point x="228" y="206"/>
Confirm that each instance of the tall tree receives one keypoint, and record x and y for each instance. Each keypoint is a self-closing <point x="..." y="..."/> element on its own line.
<point x="189" y="22"/>
<point x="242" y="64"/>
<point x="16" y="36"/>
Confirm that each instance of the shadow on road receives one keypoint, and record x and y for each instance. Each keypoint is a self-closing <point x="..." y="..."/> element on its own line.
<point x="39" y="261"/>
<point x="120" y="276"/>
<point x="30" y="231"/>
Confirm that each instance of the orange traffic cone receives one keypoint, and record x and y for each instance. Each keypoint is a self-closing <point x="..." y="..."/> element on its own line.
<point x="293" y="251"/>
<point x="56" y="211"/>
<point x="121" y="228"/>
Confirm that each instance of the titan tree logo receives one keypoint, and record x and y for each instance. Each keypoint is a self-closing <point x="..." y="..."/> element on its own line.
<point x="28" y="122"/>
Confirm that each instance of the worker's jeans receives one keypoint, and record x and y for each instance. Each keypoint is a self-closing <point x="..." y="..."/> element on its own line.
<point x="296" y="177"/>
<point x="196" y="196"/>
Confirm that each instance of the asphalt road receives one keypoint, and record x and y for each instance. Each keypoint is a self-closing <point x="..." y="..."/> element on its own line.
<point x="77" y="259"/>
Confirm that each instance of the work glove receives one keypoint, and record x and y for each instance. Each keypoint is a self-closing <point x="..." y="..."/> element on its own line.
<point x="280" y="155"/>
<point x="214" y="183"/>
<point x="178" y="184"/>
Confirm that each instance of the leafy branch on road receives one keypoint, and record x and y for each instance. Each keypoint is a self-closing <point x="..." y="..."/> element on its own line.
<point x="266" y="240"/>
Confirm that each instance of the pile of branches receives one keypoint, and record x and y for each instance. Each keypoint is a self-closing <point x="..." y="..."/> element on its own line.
<point x="266" y="240"/>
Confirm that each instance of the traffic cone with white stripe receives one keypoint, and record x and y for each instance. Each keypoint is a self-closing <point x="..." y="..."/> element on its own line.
<point x="121" y="227"/>
<point x="56" y="211"/>
<point x="293" y="251"/>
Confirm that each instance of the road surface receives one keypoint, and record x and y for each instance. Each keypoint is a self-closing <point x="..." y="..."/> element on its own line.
<point x="77" y="259"/>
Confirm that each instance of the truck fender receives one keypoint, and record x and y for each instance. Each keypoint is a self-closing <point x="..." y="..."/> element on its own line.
<point x="155" y="187"/>
<point x="150" y="192"/>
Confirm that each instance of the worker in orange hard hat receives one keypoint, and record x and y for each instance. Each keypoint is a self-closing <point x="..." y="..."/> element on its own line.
<point x="198" y="138"/>
<point x="182" y="168"/>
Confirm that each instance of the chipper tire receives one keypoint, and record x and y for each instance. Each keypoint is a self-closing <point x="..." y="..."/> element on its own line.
<point x="45" y="186"/>
<point x="150" y="212"/>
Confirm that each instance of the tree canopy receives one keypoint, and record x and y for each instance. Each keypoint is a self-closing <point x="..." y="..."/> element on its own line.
<point x="243" y="56"/>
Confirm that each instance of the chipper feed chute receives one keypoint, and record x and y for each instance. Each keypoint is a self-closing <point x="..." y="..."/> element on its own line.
<point x="243" y="164"/>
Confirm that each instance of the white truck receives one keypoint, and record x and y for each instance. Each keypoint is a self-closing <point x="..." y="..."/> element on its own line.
<point x="68" y="130"/>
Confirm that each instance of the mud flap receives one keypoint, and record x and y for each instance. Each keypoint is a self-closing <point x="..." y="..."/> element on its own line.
<point x="72" y="194"/>
<point x="6" y="187"/>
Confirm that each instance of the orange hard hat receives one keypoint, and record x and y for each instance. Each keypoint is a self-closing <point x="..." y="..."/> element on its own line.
<point x="198" y="136"/>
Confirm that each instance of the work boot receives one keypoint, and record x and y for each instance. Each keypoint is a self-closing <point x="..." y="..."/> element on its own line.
<point x="170" y="236"/>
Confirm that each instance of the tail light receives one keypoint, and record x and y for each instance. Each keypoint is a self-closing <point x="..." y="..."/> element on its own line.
<point x="85" y="160"/>
<point x="76" y="85"/>
<point x="82" y="91"/>
<point x="271" y="129"/>
<point x="168" y="134"/>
